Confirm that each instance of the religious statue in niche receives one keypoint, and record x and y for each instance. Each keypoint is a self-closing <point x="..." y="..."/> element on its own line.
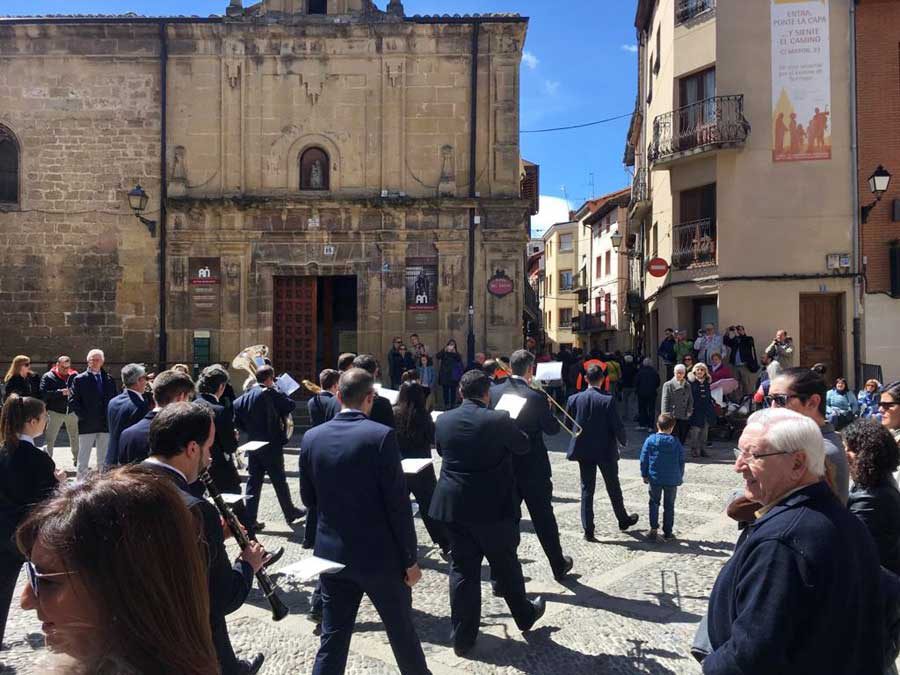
<point x="314" y="166"/>
<point x="315" y="175"/>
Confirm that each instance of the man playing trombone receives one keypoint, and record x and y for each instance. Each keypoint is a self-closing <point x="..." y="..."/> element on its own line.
<point x="602" y="429"/>
<point x="532" y="470"/>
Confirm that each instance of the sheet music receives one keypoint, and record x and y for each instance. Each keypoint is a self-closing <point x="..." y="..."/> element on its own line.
<point x="251" y="446"/>
<point x="415" y="465"/>
<point x="310" y="568"/>
<point x="547" y="372"/>
<point x="286" y="384"/>
<point x="392" y="395"/>
<point x="232" y="498"/>
<point x="512" y="404"/>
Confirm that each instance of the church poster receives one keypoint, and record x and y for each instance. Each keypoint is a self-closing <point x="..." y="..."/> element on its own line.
<point x="421" y="284"/>
<point x="801" y="81"/>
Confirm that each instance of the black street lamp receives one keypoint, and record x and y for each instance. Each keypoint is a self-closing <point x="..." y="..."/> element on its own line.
<point x="879" y="182"/>
<point x="137" y="200"/>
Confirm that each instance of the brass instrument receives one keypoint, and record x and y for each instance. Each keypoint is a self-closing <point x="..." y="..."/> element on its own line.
<point x="246" y="360"/>
<point x="311" y="387"/>
<point x="576" y="429"/>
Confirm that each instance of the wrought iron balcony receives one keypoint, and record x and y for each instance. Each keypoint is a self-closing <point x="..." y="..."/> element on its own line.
<point x="694" y="244"/>
<point x="640" y="190"/>
<point x="532" y="303"/>
<point x="686" y="10"/>
<point x="589" y="323"/>
<point x="713" y="123"/>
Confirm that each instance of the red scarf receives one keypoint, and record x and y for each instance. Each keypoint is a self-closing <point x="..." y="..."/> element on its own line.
<point x="63" y="376"/>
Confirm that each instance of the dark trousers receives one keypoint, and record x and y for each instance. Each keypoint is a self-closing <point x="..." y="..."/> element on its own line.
<point x="537" y="495"/>
<point x="341" y="595"/>
<point x="610" y="473"/>
<point x="422" y="486"/>
<point x="228" y="662"/>
<point x="10" y="566"/>
<point x="309" y="532"/>
<point x="668" y="493"/>
<point x="469" y="545"/>
<point x="681" y="430"/>
<point x="646" y="410"/>
<point x="449" y="395"/>
<point x="267" y="460"/>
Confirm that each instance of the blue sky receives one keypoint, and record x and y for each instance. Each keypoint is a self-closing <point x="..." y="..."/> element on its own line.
<point x="578" y="67"/>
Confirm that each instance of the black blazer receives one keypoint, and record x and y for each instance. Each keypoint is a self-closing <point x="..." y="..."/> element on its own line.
<point x="476" y="483"/>
<point x="602" y="427"/>
<point x="417" y="442"/>
<point x="51" y="391"/>
<point x="318" y="407"/>
<point x="26" y="478"/>
<point x="382" y="412"/>
<point x="878" y="508"/>
<point x="89" y="402"/>
<point x="125" y="410"/>
<point x="134" y="444"/>
<point x="23" y="386"/>
<point x="535" y="419"/>
<point x="254" y="414"/>
<point x="228" y="584"/>
<point x="222" y="469"/>
<point x="350" y="473"/>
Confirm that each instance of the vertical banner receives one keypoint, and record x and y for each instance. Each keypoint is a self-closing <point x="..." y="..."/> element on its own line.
<point x="205" y="283"/>
<point x="801" y="80"/>
<point x="421" y="284"/>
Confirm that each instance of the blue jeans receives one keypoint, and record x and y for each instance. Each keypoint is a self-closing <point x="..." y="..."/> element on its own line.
<point x="667" y="492"/>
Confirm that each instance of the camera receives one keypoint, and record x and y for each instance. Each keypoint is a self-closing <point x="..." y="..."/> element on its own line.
<point x="730" y="329"/>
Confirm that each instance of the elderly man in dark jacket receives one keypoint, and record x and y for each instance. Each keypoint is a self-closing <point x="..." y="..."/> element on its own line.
<point x="802" y="592"/>
<point x="646" y="384"/>
<point x="89" y="395"/>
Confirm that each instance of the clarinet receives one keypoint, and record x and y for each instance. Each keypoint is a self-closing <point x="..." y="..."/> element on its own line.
<point x="279" y="609"/>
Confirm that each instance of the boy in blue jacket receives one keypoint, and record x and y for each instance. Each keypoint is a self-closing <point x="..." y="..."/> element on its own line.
<point x="662" y="466"/>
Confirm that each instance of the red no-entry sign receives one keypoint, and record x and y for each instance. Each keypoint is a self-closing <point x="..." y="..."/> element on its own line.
<point x="658" y="267"/>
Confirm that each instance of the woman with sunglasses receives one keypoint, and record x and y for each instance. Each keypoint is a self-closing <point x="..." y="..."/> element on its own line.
<point x="27" y="476"/>
<point x="20" y="380"/>
<point x="117" y="578"/>
<point x="889" y="407"/>
<point x="703" y="414"/>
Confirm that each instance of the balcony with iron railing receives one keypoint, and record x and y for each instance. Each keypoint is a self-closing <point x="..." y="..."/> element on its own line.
<point x="689" y="10"/>
<point x="532" y="302"/>
<point x="640" y="190"/>
<point x="589" y="323"/>
<point x="694" y="244"/>
<point x="711" y="124"/>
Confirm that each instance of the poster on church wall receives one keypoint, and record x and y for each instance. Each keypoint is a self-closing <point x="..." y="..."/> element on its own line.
<point x="801" y="81"/>
<point x="421" y="284"/>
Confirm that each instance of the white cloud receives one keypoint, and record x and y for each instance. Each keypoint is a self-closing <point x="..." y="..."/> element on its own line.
<point x="630" y="48"/>
<point x="551" y="87"/>
<point x="530" y="60"/>
<point x="552" y="210"/>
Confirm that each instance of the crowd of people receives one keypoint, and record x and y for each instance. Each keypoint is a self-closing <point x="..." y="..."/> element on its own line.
<point x="819" y="512"/>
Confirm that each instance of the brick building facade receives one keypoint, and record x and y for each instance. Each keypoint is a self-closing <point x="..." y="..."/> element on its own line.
<point x="318" y="188"/>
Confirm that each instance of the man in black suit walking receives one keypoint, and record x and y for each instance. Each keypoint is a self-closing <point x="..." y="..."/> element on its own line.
<point x="476" y="498"/>
<point x="126" y="409"/>
<point x="350" y="472"/>
<point x="181" y="436"/>
<point x="382" y="411"/>
<point x="259" y="411"/>
<point x="320" y="405"/>
<point x="596" y="446"/>
<point x="532" y="469"/>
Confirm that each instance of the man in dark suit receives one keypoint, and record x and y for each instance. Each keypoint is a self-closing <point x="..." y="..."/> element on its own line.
<point x="533" y="468"/>
<point x="181" y="436"/>
<point x="382" y="411"/>
<point x="170" y="386"/>
<point x="596" y="446"/>
<point x="476" y="498"/>
<point x="350" y="472"/>
<point x="259" y="412"/>
<point x="126" y="409"/>
<point x="318" y="405"/>
<point x="89" y="396"/>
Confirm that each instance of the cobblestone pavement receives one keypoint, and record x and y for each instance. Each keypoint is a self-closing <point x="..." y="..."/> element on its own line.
<point x="630" y="607"/>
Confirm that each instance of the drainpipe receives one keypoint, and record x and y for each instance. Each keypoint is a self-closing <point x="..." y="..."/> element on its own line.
<point x="854" y="200"/>
<point x="163" y="354"/>
<point x="473" y="140"/>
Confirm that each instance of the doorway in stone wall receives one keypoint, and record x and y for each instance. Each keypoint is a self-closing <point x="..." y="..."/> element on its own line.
<point x="336" y="320"/>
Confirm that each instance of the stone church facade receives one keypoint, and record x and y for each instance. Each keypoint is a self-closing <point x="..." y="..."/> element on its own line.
<point x="308" y="163"/>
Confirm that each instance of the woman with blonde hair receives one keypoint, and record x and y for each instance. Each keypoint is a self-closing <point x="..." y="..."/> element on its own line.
<point x="20" y="380"/>
<point x="704" y="414"/>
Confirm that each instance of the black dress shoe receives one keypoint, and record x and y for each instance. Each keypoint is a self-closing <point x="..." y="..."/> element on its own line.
<point x="462" y="650"/>
<point x="314" y="616"/>
<point x="295" y="515"/>
<point x="567" y="567"/>
<point x="259" y="526"/>
<point x="540" y="606"/>
<point x="252" y="666"/>
<point x="589" y="536"/>
<point x="307" y="544"/>
<point x="445" y="554"/>
<point x="632" y="519"/>
<point x="273" y="557"/>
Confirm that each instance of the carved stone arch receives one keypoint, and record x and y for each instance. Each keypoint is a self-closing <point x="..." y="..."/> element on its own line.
<point x="10" y="167"/>
<point x="296" y="150"/>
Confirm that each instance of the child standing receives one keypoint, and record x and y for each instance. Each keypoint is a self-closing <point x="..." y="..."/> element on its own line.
<point x="662" y="467"/>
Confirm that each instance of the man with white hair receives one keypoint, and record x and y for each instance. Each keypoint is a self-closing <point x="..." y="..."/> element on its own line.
<point x="89" y="397"/>
<point x="801" y="592"/>
<point x="126" y="409"/>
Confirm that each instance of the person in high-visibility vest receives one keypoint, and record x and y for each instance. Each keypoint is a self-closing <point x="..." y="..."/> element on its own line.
<point x="594" y="359"/>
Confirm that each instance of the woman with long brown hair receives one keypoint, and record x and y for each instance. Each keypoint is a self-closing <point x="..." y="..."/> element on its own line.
<point x="117" y="578"/>
<point x="20" y="380"/>
<point x="27" y="476"/>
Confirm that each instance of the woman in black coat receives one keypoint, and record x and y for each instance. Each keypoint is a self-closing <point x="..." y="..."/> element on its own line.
<point x="27" y="476"/>
<point x="449" y="372"/>
<point x="874" y="456"/>
<point x="20" y="380"/>
<point x="415" y="436"/>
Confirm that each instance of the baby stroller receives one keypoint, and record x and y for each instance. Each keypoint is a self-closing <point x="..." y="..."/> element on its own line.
<point x="731" y="418"/>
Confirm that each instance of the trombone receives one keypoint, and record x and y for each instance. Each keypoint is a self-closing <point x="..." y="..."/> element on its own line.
<point x="576" y="429"/>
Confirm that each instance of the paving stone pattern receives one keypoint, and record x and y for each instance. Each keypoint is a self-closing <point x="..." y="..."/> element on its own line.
<point x="631" y="606"/>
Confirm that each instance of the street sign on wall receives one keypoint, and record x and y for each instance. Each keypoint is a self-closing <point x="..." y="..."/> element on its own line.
<point x="658" y="267"/>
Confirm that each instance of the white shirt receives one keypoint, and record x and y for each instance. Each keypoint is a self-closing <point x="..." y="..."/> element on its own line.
<point x="157" y="462"/>
<point x="26" y="437"/>
<point x="352" y="410"/>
